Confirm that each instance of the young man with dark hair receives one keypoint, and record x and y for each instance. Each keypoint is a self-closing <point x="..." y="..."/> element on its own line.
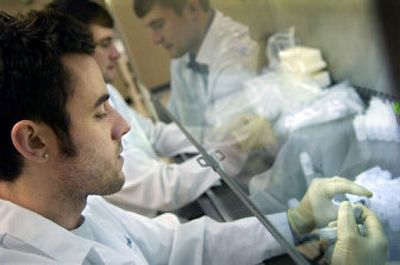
<point x="53" y="93"/>
<point x="101" y="25"/>
<point x="212" y="56"/>
<point x="171" y="185"/>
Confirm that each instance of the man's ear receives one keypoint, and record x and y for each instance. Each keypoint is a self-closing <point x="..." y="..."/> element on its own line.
<point x="29" y="138"/>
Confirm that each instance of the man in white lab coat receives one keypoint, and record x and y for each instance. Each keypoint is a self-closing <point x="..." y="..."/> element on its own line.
<point x="151" y="184"/>
<point x="61" y="146"/>
<point x="212" y="55"/>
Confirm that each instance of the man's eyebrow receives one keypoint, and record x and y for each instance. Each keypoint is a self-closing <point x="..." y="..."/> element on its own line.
<point x="100" y="100"/>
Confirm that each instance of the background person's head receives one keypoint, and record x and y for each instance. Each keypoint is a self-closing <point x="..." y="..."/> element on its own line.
<point x="56" y="122"/>
<point x="178" y="26"/>
<point x="101" y="25"/>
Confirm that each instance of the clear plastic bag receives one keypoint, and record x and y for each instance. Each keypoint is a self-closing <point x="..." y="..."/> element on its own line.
<point x="334" y="103"/>
<point x="279" y="42"/>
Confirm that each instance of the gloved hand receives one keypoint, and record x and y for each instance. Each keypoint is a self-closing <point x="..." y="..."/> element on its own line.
<point x="351" y="247"/>
<point x="316" y="208"/>
<point x="167" y="160"/>
<point x="252" y="132"/>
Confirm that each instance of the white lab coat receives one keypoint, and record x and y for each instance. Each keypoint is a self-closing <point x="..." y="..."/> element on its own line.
<point x="231" y="57"/>
<point x="113" y="236"/>
<point x="150" y="183"/>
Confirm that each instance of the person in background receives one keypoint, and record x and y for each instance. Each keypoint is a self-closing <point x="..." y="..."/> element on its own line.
<point x="151" y="184"/>
<point x="61" y="148"/>
<point x="212" y="55"/>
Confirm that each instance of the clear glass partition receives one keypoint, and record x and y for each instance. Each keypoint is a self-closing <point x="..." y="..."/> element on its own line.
<point x="345" y="147"/>
<point x="289" y="126"/>
<point x="322" y="106"/>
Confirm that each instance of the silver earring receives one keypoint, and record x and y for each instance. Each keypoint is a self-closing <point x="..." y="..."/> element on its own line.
<point x="46" y="155"/>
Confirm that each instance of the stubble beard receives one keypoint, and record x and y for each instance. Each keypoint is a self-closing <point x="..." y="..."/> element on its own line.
<point x="83" y="176"/>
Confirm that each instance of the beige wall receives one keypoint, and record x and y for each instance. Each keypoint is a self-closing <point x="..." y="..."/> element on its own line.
<point x="345" y="31"/>
<point x="150" y="62"/>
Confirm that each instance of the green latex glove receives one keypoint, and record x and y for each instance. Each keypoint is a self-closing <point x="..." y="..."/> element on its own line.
<point x="316" y="208"/>
<point x="252" y="132"/>
<point x="351" y="247"/>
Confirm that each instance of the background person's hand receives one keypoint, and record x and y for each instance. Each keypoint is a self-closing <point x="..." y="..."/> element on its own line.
<point x="353" y="248"/>
<point x="253" y="132"/>
<point x="316" y="208"/>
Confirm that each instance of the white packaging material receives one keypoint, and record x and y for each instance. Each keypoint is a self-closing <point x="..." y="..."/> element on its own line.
<point x="378" y="123"/>
<point x="359" y="128"/>
<point x="265" y="93"/>
<point x="273" y="93"/>
<point x="385" y="201"/>
<point x="323" y="78"/>
<point x="278" y="42"/>
<point x="338" y="102"/>
<point x="302" y="60"/>
<point x="304" y="63"/>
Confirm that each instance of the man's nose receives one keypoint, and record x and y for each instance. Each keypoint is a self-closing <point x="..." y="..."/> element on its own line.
<point x="121" y="126"/>
<point x="114" y="53"/>
<point x="156" y="37"/>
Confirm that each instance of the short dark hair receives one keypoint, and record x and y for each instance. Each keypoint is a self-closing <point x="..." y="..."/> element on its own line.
<point x="86" y="11"/>
<point x="34" y="83"/>
<point x="143" y="7"/>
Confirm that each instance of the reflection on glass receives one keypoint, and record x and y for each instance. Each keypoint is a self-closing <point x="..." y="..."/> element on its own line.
<point x="300" y="119"/>
<point x="287" y="127"/>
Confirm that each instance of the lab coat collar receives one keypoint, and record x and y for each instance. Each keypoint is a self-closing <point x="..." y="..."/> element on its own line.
<point x="34" y="230"/>
<point x="211" y="41"/>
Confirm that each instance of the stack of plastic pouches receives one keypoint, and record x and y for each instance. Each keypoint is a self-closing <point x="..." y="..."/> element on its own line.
<point x="378" y="123"/>
<point x="292" y="92"/>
